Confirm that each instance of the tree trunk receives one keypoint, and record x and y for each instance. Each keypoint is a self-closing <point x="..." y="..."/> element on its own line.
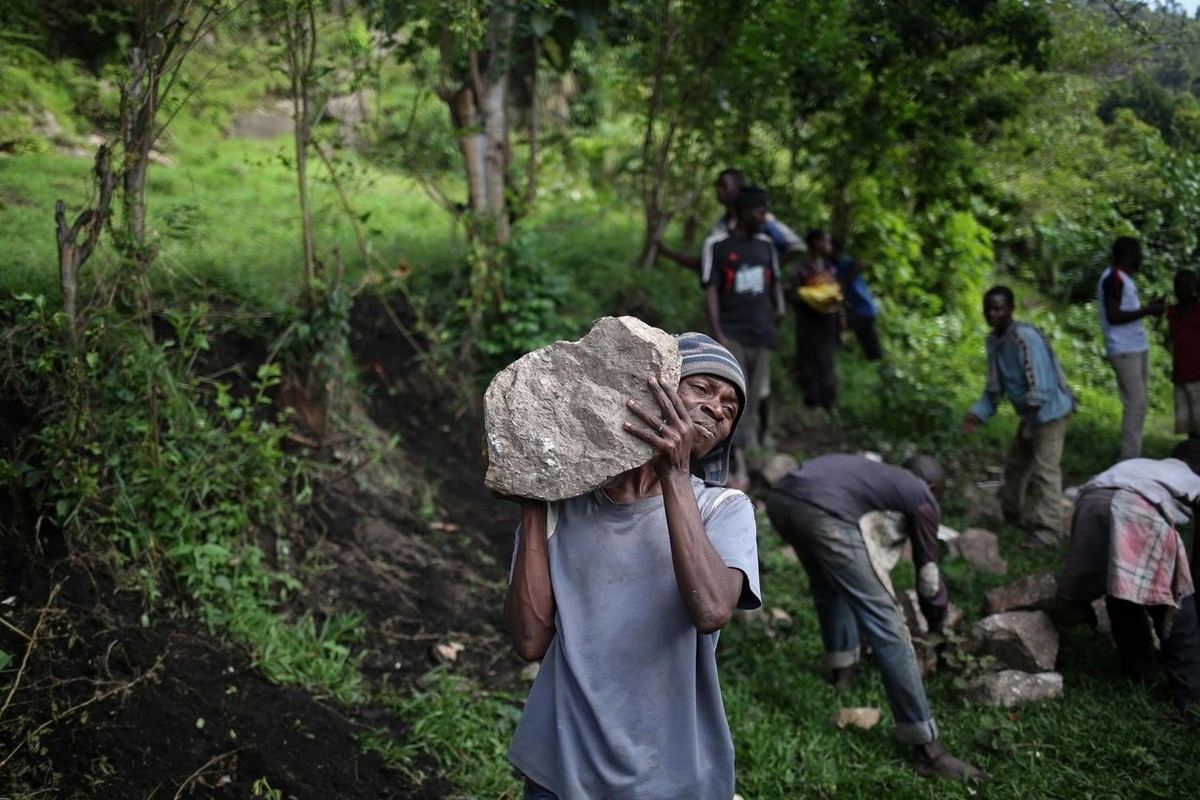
<point x="137" y="135"/>
<point x="535" y="127"/>
<point x="301" y="42"/>
<point x="501" y="23"/>
<point x="495" y="126"/>
<point x="72" y="254"/>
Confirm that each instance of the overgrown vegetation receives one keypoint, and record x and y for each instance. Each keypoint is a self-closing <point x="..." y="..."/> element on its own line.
<point x="956" y="148"/>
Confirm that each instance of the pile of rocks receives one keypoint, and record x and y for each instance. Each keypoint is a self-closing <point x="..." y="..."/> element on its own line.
<point x="1017" y="638"/>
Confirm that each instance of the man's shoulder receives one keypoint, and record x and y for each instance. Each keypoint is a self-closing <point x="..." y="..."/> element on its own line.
<point x="716" y="237"/>
<point x="712" y="498"/>
<point x="1113" y="279"/>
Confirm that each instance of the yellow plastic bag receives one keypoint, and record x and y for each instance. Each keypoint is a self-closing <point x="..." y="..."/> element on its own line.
<point x="824" y="296"/>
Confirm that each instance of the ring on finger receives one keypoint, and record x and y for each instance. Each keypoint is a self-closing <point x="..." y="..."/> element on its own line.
<point x="662" y="425"/>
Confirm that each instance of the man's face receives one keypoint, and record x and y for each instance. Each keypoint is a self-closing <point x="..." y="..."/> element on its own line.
<point x="752" y="220"/>
<point x="712" y="406"/>
<point x="998" y="312"/>
<point x="727" y="189"/>
<point x="824" y="246"/>
<point x="1136" y="259"/>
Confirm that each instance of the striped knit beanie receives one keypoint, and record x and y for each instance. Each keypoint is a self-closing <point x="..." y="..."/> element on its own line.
<point x="703" y="355"/>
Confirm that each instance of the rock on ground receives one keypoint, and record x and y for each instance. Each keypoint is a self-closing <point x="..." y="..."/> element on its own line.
<point x="351" y="109"/>
<point x="981" y="549"/>
<point x="865" y="717"/>
<point x="1024" y="640"/>
<point x="1038" y="591"/>
<point x="554" y="418"/>
<point x="1012" y="687"/>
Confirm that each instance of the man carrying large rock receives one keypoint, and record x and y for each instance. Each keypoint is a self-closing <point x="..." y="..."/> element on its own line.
<point x="622" y="593"/>
<point x="825" y="509"/>
<point x="1125" y="547"/>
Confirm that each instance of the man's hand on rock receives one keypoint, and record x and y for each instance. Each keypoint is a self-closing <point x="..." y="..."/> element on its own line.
<point x="669" y="433"/>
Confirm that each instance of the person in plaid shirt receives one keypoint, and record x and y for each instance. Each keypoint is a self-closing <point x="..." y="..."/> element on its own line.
<point x="1125" y="547"/>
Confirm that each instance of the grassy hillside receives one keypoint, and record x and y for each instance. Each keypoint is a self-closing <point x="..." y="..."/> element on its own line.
<point x="224" y="214"/>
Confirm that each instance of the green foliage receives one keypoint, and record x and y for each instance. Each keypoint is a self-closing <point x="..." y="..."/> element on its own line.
<point x="461" y="728"/>
<point x="321" y="658"/>
<point x="531" y="310"/>
<point x="142" y="464"/>
<point x="923" y="408"/>
<point x="182" y="479"/>
<point x="262" y="788"/>
<point x="32" y="89"/>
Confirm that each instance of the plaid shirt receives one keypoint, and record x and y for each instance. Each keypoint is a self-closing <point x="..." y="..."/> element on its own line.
<point x="1147" y="563"/>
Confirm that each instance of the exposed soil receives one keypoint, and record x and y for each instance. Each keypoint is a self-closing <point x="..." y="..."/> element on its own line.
<point x="166" y="710"/>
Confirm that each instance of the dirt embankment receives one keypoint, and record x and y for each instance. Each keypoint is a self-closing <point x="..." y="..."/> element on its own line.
<point x="107" y="706"/>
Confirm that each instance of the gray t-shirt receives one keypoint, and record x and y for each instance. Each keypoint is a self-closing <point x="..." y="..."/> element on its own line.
<point x="627" y="703"/>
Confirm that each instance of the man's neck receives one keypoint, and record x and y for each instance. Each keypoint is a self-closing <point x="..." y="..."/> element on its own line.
<point x="635" y="484"/>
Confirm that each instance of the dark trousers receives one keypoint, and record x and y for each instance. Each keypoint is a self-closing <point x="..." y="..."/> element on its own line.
<point x="535" y="791"/>
<point x="816" y="349"/>
<point x="1179" y="650"/>
<point x="867" y="335"/>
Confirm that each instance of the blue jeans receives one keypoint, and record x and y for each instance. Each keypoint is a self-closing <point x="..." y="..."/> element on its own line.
<point x="534" y="791"/>
<point x="848" y="594"/>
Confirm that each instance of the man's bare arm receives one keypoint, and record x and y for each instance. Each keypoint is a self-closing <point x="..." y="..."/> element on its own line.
<point x="710" y="589"/>
<point x="529" y="604"/>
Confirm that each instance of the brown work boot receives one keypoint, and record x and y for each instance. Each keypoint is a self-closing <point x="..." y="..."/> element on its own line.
<point x="935" y="761"/>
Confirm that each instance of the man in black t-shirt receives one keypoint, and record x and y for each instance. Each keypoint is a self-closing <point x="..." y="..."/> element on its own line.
<point x="739" y="269"/>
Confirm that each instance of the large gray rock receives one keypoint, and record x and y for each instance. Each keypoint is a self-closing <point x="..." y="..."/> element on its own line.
<point x="1024" y="640"/>
<point x="554" y="418"/>
<point x="982" y="500"/>
<point x="1012" y="687"/>
<point x="981" y="549"/>
<point x="1038" y="591"/>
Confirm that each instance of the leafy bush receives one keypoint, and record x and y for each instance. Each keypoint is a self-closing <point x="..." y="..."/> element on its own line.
<point x="182" y="479"/>
<point x="169" y="469"/>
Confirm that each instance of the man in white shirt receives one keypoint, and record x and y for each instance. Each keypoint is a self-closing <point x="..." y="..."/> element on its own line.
<point x="1125" y="339"/>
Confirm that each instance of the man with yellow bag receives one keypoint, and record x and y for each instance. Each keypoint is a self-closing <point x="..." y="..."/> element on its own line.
<point x="817" y="296"/>
<point x="739" y="269"/>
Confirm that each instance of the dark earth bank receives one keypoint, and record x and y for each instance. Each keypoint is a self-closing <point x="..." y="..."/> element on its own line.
<point x="107" y="706"/>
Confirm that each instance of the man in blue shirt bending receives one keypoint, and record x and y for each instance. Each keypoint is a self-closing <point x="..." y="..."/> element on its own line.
<point x="1023" y="366"/>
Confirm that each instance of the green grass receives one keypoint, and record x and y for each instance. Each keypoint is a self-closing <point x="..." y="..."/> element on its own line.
<point x="460" y="727"/>
<point x="226" y="220"/>
<point x="1104" y="739"/>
